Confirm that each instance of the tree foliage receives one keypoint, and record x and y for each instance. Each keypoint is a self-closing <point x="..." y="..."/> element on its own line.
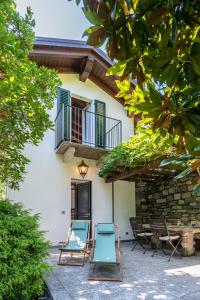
<point x="27" y="93"/>
<point x="22" y="253"/>
<point x="156" y="45"/>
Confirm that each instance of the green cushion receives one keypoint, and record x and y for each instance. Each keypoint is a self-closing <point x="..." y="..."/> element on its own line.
<point x="105" y="228"/>
<point x="104" y="251"/>
<point x="77" y="225"/>
<point x="78" y="238"/>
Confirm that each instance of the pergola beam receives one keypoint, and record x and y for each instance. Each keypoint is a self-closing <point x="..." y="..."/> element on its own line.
<point x="149" y="172"/>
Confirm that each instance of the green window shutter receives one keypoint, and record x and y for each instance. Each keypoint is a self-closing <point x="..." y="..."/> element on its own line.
<point x="64" y="100"/>
<point x="100" y="124"/>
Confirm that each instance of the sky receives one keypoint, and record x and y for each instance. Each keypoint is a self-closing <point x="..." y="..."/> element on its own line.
<point x="56" y="18"/>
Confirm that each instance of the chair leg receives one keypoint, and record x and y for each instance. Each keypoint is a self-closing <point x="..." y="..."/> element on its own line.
<point x="155" y="251"/>
<point x="142" y="246"/>
<point x="84" y="258"/>
<point x="135" y="244"/>
<point x="60" y="257"/>
<point x="175" y="249"/>
<point x="163" y="251"/>
<point x="137" y="241"/>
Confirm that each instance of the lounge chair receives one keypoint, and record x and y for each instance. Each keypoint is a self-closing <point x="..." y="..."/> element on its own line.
<point x="77" y="242"/>
<point x="104" y="253"/>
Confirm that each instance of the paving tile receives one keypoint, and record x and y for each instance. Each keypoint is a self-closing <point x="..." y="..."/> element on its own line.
<point x="145" y="278"/>
<point x="61" y="295"/>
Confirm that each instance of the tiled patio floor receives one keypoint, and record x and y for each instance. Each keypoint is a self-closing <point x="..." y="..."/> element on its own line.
<point x="145" y="278"/>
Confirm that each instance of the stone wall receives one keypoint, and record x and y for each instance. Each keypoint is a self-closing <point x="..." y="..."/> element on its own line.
<point x="171" y="199"/>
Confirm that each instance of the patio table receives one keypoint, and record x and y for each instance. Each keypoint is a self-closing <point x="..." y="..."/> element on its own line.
<point x="187" y="233"/>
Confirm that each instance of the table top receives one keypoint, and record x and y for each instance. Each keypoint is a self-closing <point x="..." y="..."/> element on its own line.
<point x="181" y="228"/>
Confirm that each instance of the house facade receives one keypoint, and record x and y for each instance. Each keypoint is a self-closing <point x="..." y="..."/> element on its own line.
<point x="89" y="121"/>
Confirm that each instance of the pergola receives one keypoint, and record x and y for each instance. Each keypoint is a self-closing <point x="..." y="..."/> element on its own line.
<point x="147" y="172"/>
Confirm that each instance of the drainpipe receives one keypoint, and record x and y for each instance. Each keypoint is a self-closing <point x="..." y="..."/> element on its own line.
<point x="113" y="203"/>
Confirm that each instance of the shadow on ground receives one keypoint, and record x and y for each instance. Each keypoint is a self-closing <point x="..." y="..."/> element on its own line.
<point x="145" y="278"/>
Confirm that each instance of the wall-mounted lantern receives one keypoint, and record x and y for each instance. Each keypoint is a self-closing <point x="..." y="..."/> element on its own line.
<point x="83" y="169"/>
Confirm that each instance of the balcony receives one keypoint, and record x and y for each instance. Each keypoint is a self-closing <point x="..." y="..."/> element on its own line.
<point x="91" y="134"/>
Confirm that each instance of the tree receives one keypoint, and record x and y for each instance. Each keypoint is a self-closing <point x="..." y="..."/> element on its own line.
<point x="27" y="93"/>
<point x="156" y="44"/>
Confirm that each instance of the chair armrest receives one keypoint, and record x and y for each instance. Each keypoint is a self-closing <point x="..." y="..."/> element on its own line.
<point x="63" y="243"/>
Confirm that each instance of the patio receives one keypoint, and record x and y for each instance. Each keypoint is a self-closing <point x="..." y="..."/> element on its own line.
<point x="145" y="278"/>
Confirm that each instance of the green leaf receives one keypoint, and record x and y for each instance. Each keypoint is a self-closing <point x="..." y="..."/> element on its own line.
<point x="141" y="33"/>
<point x="156" y="97"/>
<point x="196" y="64"/>
<point x="162" y="60"/>
<point x="169" y="74"/>
<point x="146" y="106"/>
<point x="184" y="173"/>
<point x="92" y="16"/>
<point x="135" y="4"/>
<point x="166" y="162"/>
<point x="196" y="190"/>
<point x="197" y="148"/>
<point x="176" y="160"/>
<point x="189" y="99"/>
<point x="195" y="49"/>
<point x="97" y="37"/>
<point x="118" y="69"/>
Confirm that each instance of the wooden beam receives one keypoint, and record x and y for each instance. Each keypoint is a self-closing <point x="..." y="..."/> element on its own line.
<point x="150" y="170"/>
<point x="86" y="69"/>
<point x="128" y="173"/>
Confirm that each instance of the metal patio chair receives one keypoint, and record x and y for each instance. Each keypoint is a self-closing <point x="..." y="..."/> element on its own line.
<point x="140" y="235"/>
<point x="160" y="231"/>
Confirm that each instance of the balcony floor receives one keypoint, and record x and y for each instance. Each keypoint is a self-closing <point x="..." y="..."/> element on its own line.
<point x="81" y="150"/>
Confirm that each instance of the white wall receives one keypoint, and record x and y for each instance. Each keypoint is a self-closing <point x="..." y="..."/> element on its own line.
<point x="124" y="207"/>
<point x="47" y="185"/>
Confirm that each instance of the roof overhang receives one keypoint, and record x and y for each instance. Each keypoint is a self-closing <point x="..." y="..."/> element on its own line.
<point x="70" y="56"/>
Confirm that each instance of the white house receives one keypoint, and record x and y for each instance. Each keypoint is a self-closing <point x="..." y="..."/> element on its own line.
<point x="89" y="121"/>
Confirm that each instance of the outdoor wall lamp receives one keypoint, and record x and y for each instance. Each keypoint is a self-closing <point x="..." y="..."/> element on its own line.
<point x="83" y="169"/>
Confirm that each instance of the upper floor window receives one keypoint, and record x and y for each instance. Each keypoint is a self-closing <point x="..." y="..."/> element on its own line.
<point x="84" y="121"/>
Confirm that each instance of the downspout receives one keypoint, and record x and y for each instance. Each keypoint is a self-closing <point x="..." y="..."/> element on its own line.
<point x="113" y="203"/>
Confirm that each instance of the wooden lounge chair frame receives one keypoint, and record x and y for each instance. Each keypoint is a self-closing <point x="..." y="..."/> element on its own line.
<point x="82" y="252"/>
<point x="118" y="258"/>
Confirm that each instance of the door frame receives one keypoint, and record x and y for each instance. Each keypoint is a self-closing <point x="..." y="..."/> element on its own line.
<point x="90" y="196"/>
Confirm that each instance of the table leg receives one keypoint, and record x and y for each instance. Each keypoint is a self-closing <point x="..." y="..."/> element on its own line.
<point x="188" y="244"/>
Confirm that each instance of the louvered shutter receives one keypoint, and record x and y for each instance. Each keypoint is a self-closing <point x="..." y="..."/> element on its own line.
<point x="64" y="102"/>
<point x="100" y="124"/>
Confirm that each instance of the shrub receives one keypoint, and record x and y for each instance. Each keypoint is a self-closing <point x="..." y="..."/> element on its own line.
<point x="22" y="252"/>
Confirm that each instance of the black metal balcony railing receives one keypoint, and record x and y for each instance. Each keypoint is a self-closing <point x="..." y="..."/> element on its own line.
<point x="76" y="125"/>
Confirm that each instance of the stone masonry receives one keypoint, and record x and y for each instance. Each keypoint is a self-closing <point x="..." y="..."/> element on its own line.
<point x="174" y="200"/>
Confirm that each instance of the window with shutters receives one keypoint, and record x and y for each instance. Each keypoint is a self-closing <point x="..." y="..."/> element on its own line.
<point x="85" y="123"/>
